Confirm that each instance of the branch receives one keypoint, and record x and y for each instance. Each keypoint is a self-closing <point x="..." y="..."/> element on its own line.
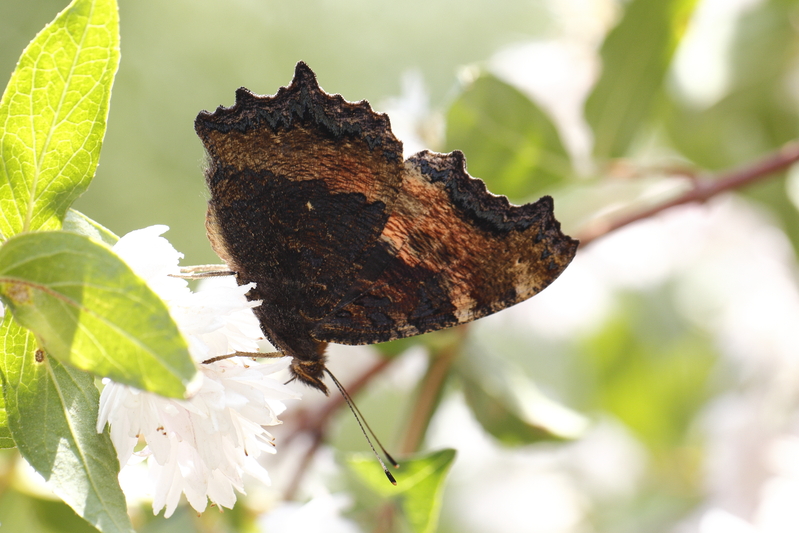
<point x="430" y="392"/>
<point x="703" y="190"/>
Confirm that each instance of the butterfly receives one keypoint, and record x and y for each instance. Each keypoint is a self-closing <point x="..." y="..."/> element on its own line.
<point x="347" y="242"/>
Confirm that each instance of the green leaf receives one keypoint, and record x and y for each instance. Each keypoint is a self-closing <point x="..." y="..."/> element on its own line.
<point x="636" y="55"/>
<point x="52" y="412"/>
<point x="23" y="513"/>
<point x="87" y="308"/>
<point x="53" y="116"/>
<point x="6" y="440"/>
<point x="510" y="406"/>
<point x="758" y="114"/>
<point x="77" y="222"/>
<point x="508" y="141"/>
<point x="651" y="370"/>
<point x="419" y="489"/>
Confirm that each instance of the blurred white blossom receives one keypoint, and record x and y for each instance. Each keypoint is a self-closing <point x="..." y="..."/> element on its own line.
<point x="202" y="446"/>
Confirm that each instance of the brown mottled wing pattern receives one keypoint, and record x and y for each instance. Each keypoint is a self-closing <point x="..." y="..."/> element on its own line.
<point x="453" y="253"/>
<point x="348" y="243"/>
<point x="301" y="184"/>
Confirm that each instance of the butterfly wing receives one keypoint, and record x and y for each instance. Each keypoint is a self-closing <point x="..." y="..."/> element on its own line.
<point x="301" y="185"/>
<point x="310" y="199"/>
<point x="451" y="253"/>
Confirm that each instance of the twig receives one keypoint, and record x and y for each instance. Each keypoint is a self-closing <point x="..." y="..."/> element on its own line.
<point x="386" y="517"/>
<point x="429" y="393"/>
<point x="703" y="190"/>
<point x="296" y="479"/>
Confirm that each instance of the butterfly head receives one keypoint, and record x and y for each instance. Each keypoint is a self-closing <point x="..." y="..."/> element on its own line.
<point x="311" y="371"/>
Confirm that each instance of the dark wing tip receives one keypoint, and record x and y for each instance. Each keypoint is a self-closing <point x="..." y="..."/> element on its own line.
<point x="243" y="94"/>
<point x="302" y="72"/>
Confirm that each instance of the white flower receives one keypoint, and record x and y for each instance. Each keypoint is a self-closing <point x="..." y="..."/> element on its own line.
<point x="202" y="446"/>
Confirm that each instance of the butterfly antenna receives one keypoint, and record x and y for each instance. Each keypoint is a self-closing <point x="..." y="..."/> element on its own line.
<point x="354" y="407"/>
<point x="362" y="422"/>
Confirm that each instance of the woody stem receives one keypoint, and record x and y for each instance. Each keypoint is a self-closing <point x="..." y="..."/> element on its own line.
<point x="703" y="190"/>
<point x="430" y="393"/>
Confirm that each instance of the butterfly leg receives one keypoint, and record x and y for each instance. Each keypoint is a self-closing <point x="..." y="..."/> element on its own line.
<point x="244" y="354"/>
<point x="203" y="271"/>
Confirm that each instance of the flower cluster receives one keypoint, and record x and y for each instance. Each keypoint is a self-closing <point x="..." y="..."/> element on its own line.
<point x="202" y="446"/>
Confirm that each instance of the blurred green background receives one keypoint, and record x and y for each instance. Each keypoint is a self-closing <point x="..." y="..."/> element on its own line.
<point x="653" y="387"/>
